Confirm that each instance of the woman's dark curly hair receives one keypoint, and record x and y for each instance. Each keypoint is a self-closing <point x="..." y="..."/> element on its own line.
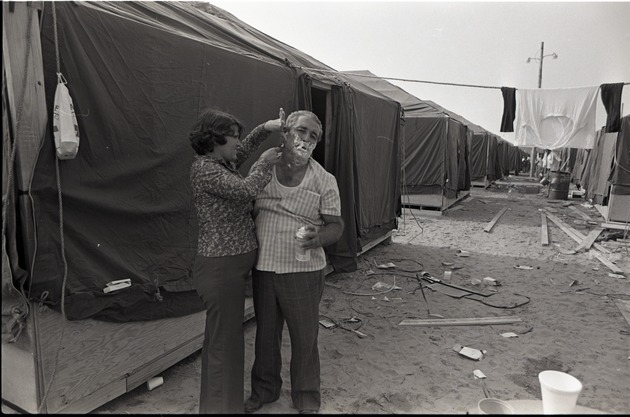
<point x="211" y="128"/>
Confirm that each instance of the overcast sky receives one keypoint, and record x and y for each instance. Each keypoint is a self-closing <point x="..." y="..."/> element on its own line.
<point x="478" y="43"/>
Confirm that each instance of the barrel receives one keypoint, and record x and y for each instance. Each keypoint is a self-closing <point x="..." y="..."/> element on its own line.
<point x="559" y="185"/>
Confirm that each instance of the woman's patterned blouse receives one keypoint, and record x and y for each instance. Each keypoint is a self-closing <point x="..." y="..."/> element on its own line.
<point x="224" y="200"/>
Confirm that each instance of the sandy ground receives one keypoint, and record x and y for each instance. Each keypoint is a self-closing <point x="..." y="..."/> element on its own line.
<point x="568" y="306"/>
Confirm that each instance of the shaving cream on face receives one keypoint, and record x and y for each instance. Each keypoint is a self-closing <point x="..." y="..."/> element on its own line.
<point x="302" y="150"/>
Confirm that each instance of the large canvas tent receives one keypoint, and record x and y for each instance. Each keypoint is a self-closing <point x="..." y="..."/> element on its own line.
<point x="139" y="74"/>
<point x="603" y="172"/>
<point x="435" y="151"/>
<point x="484" y="159"/>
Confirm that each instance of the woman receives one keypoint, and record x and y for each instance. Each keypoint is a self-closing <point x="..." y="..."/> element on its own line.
<point x="227" y="246"/>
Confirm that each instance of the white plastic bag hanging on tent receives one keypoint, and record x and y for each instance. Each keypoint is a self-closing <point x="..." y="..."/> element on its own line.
<point x="65" y="126"/>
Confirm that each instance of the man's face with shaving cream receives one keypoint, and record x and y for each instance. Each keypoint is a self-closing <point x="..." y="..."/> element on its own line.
<point x="302" y="139"/>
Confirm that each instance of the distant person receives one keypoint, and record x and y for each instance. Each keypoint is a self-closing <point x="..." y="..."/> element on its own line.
<point x="554" y="160"/>
<point x="539" y="165"/>
<point x="300" y="194"/>
<point x="227" y="247"/>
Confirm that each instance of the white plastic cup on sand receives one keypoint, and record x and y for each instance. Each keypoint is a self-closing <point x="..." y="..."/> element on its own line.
<point x="559" y="391"/>
<point x="494" y="406"/>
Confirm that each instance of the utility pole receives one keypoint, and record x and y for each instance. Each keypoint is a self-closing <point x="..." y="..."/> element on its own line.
<point x="540" y="60"/>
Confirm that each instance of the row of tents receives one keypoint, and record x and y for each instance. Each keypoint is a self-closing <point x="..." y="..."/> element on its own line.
<point x="603" y="172"/>
<point x="139" y="73"/>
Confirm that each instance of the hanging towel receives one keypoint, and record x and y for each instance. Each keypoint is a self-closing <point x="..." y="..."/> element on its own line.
<point x="509" y="109"/>
<point x="556" y="118"/>
<point x="611" y="97"/>
<point x="65" y="126"/>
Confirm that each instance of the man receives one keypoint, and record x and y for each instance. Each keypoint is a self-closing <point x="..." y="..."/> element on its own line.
<point x="300" y="194"/>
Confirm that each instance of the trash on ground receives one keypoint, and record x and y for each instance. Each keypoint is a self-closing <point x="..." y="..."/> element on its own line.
<point x="361" y="335"/>
<point x="327" y="323"/>
<point x="369" y="272"/>
<point x="523" y="267"/>
<point x="475" y="281"/>
<point x="154" y="382"/>
<point x="462" y="253"/>
<point x="385" y="298"/>
<point x="386" y="266"/>
<point x="448" y="263"/>
<point x="509" y="334"/>
<point x="490" y="281"/>
<point x="610" y="274"/>
<point x="474" y="354"/>
<point x="478" y="374"/>
<point x="447" y="275"/>
<point x="379" y="286"/>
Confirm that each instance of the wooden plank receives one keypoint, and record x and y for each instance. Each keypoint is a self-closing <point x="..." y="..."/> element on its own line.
<point x="475" y="321"/>
<point x="609" y="264"/>
<point x="589" y="239"/>
<point x="94" y="354"/>
<point x="19" y="370"/>
<point x="97" y="398"/>
<point x="574" y="234"/>
<point x="617" y="226"/>
<point x="496" y="218"/>
<point x="578" y="237"/>
<point x="140" y="375"/>
<point x="544" y="230"/>
<point x="580" y="213"/>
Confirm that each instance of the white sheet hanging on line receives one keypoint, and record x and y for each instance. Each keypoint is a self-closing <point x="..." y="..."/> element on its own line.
<point x="556" y="118"/>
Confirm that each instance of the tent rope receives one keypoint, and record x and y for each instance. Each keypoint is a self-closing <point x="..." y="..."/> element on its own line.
<point x="63" y="255"/>
<point x="407" y="79"/>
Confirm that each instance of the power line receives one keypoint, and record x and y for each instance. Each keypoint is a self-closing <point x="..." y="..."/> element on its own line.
<point x="405" y="79"/>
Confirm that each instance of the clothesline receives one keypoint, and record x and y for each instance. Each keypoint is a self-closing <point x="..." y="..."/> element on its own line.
<point x="407" y="80"/>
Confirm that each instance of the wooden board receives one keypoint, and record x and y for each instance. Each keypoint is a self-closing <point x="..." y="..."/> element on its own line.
<point x="437" y="202"/>
<point x="578" y="237"/>
<point x="617" y="226"/>
<point x="589" y="239"/>
<point x="544" y="230"/>
<point x="574" y="234"/>
<point x="493" y="221"/>
<point x="475" y="321"/>
<point x="95" y="361"/>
